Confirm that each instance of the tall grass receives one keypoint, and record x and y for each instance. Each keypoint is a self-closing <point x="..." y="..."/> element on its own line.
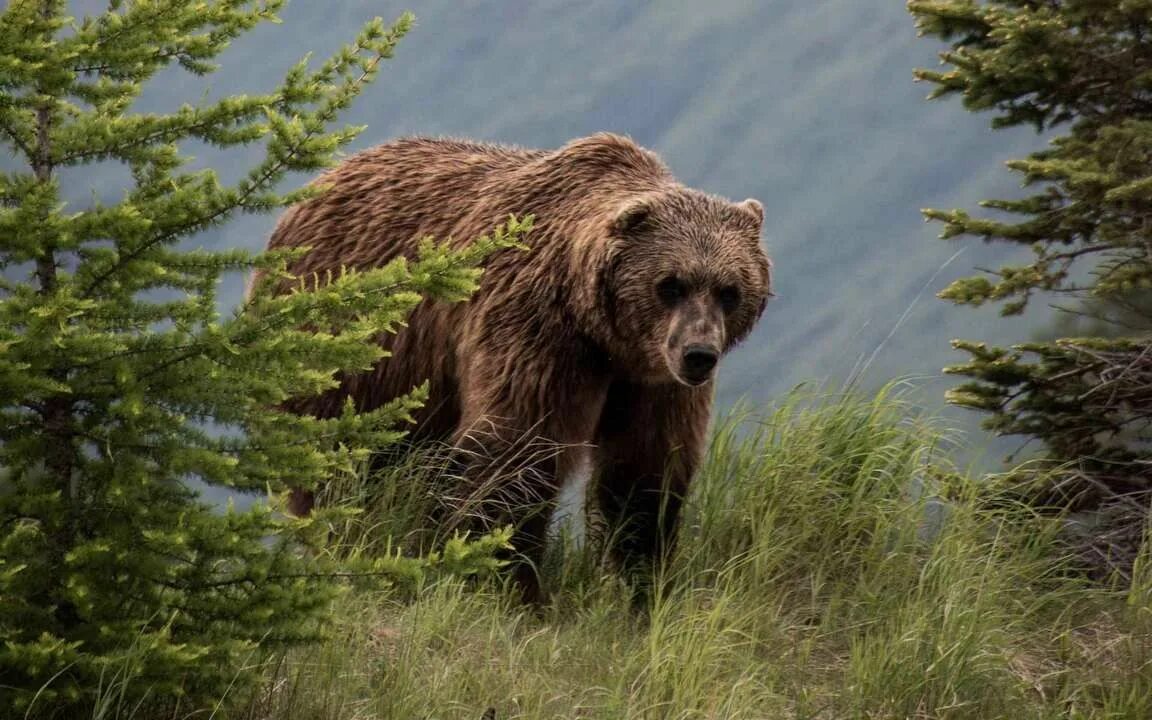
<point x="819" y="575"/>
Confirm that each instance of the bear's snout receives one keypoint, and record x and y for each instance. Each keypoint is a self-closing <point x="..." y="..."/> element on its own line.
<point x="695" y="339"/>
<point x="697" y="362"/>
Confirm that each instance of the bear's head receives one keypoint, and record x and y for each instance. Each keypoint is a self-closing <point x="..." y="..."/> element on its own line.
<point x="683" y="280"/>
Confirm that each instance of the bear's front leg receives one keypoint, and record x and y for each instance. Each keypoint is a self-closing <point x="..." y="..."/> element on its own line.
<point x="651" y="440"/>
<point x="525" y="422"/>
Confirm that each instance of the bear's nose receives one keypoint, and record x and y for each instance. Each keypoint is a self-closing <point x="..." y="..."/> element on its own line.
<point x="699" y="360"/>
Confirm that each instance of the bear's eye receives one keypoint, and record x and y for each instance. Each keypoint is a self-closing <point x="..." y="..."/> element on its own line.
<point x="671" y="290"/>
<point x="729" y="298"/>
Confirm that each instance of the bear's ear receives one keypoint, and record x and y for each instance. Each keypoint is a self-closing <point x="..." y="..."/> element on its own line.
<point x="631" y="216"/>
<point x="754" y="208"/>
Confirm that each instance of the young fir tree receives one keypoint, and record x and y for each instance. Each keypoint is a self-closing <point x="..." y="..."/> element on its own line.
<point x="1082" y="68"/>
<point x="120" y="384"/>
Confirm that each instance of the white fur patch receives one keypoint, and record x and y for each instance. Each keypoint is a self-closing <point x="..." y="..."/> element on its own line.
<point x="569" y="518"/>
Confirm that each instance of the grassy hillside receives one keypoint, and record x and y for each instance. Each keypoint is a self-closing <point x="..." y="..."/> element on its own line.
<point x="810" y="584"/>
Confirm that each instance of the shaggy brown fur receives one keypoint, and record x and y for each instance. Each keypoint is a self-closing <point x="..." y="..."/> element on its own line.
<point x="601" y="338"/>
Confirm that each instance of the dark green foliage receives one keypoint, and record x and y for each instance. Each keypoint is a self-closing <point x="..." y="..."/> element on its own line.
<point x="1083" y="68"/>
<point x="120" y="384"/>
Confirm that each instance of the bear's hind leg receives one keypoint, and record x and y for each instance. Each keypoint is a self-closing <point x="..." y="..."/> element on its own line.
<point x="511" y="479"/>
<point x="519" y="441"/>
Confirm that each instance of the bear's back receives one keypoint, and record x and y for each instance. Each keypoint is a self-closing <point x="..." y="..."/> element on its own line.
<point x="379" y="202"/>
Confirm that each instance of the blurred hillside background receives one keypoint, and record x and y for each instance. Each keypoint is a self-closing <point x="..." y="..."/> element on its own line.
<point x="809" y="107"/>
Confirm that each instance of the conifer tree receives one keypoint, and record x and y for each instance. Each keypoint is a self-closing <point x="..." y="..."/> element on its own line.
<point x="121" y="386"/>
<point x="1081" y="70"/>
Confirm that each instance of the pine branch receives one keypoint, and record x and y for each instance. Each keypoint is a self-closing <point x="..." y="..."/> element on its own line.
<point x="250" y="186"/>
<point x="14" y="135"/>
<point x="126" y="28"/>
<point x="200" y="126"/>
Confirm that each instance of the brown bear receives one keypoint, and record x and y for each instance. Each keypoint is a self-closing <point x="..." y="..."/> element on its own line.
<point x="602" y="339"/>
